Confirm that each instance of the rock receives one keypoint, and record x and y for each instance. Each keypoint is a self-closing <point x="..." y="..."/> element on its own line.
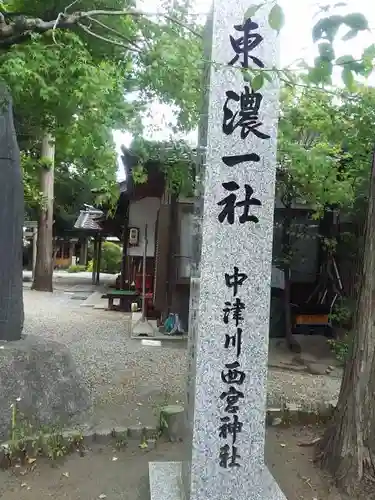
<point x="294" y="345"/>
<point x="172" y="422"/>
<point x="40" y="377"/>
<point x="135" y="432"/>
<point x="276" y="422"/>
<point x="317" y="369"/>
<point x="151" y="444"/>
<point x="272" y="414"/>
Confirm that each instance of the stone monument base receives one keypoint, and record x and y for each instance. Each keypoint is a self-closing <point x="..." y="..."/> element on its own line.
<point x="41" y="378"/>
<point x="166" y="483"/>
<point x="166" y="480"/>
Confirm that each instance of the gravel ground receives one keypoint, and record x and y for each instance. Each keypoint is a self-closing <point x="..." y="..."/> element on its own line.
<point x="129" y="381"/>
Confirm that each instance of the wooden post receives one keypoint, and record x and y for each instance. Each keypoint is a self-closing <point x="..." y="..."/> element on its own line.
<point x="35" y="237"/>
<point x="94" y="259"/>
<point x="99" y="255"/>
<point x="125" y="242"/>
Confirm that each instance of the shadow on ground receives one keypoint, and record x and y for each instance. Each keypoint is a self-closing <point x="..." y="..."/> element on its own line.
<point x="107" y="473"/>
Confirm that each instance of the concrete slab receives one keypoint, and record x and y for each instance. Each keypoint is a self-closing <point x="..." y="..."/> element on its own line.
<point x="161" y="337"/>
<point x="94" y="299"/>
<point x="165" y="480"/>
<point x="144" y="328"/>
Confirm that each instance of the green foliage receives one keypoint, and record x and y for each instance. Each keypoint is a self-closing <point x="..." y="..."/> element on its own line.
<point x="171" y="67"/>
<point x="175" y="159"/>
<point x="76" y="269"/>
<point x="310" y="151"/>
<point x="61" y="87"/>
<point x="326" y="31"/>
<point x="342" y="318"/>
<point x="69" y="80"/>
<point x="276" y="18"/>
<point x="110" y="260"/>
<point x="340" y="347"/>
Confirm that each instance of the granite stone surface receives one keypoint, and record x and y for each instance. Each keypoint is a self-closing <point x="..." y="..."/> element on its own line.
<point x="165" y="481"/>
<point x="227" y="380"/>
<point x="39" y="376"/>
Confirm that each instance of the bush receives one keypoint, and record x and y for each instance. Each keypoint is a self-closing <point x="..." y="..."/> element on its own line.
<point x="110" y="260"/>
<point x="76" y="269"/>
<point x="340" y="347"/>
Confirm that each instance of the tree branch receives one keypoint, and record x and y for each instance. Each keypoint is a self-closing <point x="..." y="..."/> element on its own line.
<point x="100" y="37"/>
<point x="16" y="30"/>
<point x="117" y="33"/>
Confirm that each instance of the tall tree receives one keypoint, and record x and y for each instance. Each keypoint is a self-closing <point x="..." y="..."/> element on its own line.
<point x="59" y="91"/>
<point x="61" y="78"/>
<point x="68" y="69"/>
<point x="309" y="170"/>
<point x="348" y="447"/>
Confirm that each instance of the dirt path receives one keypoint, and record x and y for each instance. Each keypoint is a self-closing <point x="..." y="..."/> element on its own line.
<point x="126" y="477"/>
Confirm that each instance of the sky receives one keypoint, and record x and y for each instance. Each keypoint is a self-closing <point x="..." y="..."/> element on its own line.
<point x="295" y="43"/>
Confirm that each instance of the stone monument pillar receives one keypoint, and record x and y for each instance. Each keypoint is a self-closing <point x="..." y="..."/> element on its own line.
<point x="230" y="303"/>
<point x="11" y="224"/>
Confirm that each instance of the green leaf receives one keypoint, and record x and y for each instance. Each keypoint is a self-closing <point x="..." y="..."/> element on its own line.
<point x="327" y="28"/>
<point x="356" y="21"/>
<point x="344" y="60"/>
<point x="289" y="75"/>
<point x="251" y="11"/>
<point x="369" y="52"/>
<point x="248" y="76"/>
<point x="257" y="82"/>
<point x="368" y="57"/>
<point x="267" y="76"/>
<point x="348" y="78"/>
<point x="322" y="71"/>
<point x="276" y="18"/>
<point x="326" y="51"/>
<point x="350" y="34"/>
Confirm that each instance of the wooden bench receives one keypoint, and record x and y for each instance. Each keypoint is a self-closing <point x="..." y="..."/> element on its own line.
<point x="126" y="298"/>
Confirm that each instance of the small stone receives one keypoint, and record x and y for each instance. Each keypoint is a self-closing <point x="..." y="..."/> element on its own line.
<point x="293" y="408"/>
<point x="151" y="444"/>
<point x="135" y="432"/>
<point x="277" y="421"/>
<point x="102" y="436"/>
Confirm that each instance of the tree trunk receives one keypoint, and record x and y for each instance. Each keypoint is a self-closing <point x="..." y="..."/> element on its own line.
<point x="348" y="447"/>
<point x="11" y="225"/>
<point x="287" y="255"/>
<point x="44" y="257"/>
